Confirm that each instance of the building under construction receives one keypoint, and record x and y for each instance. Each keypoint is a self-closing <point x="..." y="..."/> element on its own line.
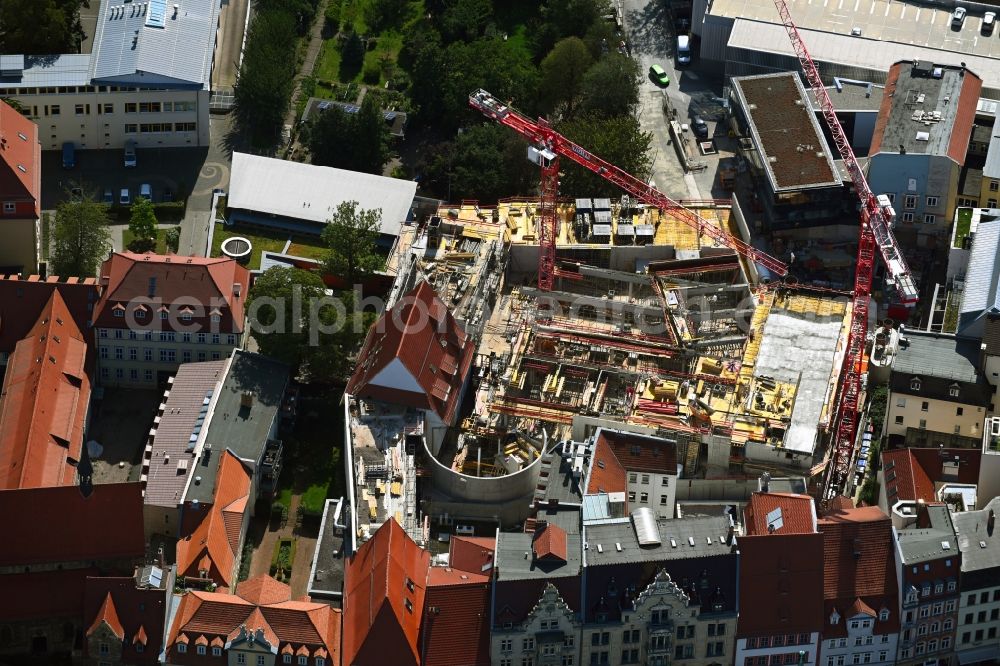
<point x="650" y="328"/>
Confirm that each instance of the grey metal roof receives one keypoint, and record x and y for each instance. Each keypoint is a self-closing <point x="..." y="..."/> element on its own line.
<point x="982" y="281"/>
<point x="849" y="95"/>
<point x="919" y="94"/>
<point x="242" y="430"/>
<point x="937" y="355"/>
<point x="512" y="564"/>
<point x="992" y="167"/>
<point x="130" y="47"/>
<point x="172" y="443"/>
<point x="561" y="485"/>
<point x="43" y="71"/>
<point x="925" y="544"/>
<point x="307" y="192"/>
<point x="680" y="538"/>
<point x="980" y="550"/>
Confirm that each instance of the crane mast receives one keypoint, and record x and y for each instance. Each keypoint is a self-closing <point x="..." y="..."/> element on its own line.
<point x="875" y="234"/>
<point x="547" y="146"/>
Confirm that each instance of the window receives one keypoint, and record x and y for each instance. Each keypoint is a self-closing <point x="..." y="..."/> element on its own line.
<point x="946" y="642"/>
<point x="939" y="588"/>
<point x="883" y="615"/>
<point x="567" y="660"/>
<point x="924" y="406"/>
<point x="932" y="201"/>
<point x="914" y="384"/>
<point x="79" y="109"/>
<point x="527" y="661"/>
<point x="119" y="373"/>
<point x="303" y="660"/>
<point x="200" y="649"/>
<point x="54" y="110"/>
<point x="109" y="108"/>
<point x="216" y="339"/>
<point x="201" y="338"/>
<point x="149" y="107"/>
<point x="644" y="498"/>
<point x="631" y="496"/>
<point x="184" y="127"/>
<point x="216" y="318"/>
<point x="968" y="618"/>
<point x="130" y="107"/>
<point x="569" y="640"/>
<point x="899" y="420"/>
<point x="995" y="614"/>
<point x="182" y="648"/>
<point x="938" y="608"/>
<point x="910" y="201"/>
<point x="633" y="477"/>
<point x="923" y="424"/>
<point x="901" y="402"/>
<point x="320" y="661"/>
<point x="645" y="479"/>
<point x="883" y="655"/>
<point x="948" y="624"/>
<point x="630" y="656"/>
<point x="505" y="662"/>
<point x="528" y="644"/>
<point x="665" y="481"/>
<point x="131" y="128"/>
<point x="217" y="651"/>
<point x="929" y="219"/>
<point x="506" y="645"/>
<point x="952" y="585"/>
<point x="119" y="353"/>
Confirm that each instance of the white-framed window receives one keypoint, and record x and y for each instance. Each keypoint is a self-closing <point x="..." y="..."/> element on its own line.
<point x="320" y="661"/>
<point x="932" y="201"/>
<point x="216" y="651"/>
<point x="915" y="384"/>
<point x="286" y="659"/>
<point x="303" y="660"/>
<point x="105" y="648"/>
<point x="119" y="312"/>
<point x="643" y="498"/>
<point x="216" y="338"/>
<point x="9" y="206"/>
<point x="241" y="658"/>
<point x="201" y="649"/>
<point x="201" y="338"/>
<point x="105" y="373"/>
<point x="929" y="219"/>
<point x="910" y="201"/>
<point x="939" y="588"/>
<point x="260" y="660"/>
<point x="953" y="390"/>
<point x="148" y="374"/>
<point x="182" y="648"/>
<point x="883" y="615"/>
<point x="906" y="217"/>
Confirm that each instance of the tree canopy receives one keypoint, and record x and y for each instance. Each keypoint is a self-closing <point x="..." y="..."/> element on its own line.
<point x="81" y="238"/>
<point x="351" y="236"/>
<point x="265" y="80"/>
<point x="488" y="160"/>
<point x="563" y="71"/>
<point x="611" y="86"/>
<point x="357" y="141"/>
<point x="142" y="225"/>
<point x="619" y="140"/>
<point x="40" y="27"/>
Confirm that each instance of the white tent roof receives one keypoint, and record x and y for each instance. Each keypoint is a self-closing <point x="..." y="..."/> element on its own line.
<point x="312" y="193"/>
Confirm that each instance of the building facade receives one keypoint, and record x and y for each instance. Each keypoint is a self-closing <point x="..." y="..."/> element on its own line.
<point x="157" y="312"/>
<point x="979" y="607"/>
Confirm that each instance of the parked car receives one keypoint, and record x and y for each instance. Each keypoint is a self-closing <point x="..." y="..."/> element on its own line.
<point x="109" y="197"/>
<point x="989" y="20"/>
<point x="683" y="49"/>
<point x="958" y="16"/>
<point x="659" y="76"/>
<point x="130" y="158"/>
<point x="699" y="127"/>
<point x="125" y="198"/>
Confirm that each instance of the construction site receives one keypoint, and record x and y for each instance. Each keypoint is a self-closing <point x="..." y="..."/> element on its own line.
<point x="649" y="326"/>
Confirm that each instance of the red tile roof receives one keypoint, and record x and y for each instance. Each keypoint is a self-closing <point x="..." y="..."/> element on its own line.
<point x="606" y="474"/>
<point x="473" y="554"/>
<point x="911" y="474"/>
<point x="797" y="513"/>
<point x="456" y="628"/>
<point x="550" y="542"/>
<point x="44" y="402"/>
<point x="384" y="587"/>
<point x="22" y="301"/>
<point x="263" y="590"/>
<point x="640" y="453"/>
<point x="217" y="536"/>
<point x="859" y="607"/>
<point x="105" y="526"/>
<point x="965" y="117"/>
<point x="20" y="157"/>
<point x="291" y="626"/>
<point x="417" y="354"/>
<point x="45" y="594"/>
<point x="141" y="613"/>
<point x="781" y="580"/>
<point x="108" y="615"/>
<point x="176" y="281"/>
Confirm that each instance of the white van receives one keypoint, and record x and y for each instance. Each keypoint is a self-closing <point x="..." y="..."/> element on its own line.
<point x="683" y="49"/>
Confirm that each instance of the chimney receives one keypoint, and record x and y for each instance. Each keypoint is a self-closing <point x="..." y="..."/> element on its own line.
<point x="990" y="523"/>
<point x="902" y="149"/>
<point x="923" y="518"/>
<point x="176" y="7"/>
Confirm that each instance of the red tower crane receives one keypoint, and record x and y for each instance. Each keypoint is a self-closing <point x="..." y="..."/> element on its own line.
<point x="547" y="146"/>
<point x="875" y="235"/>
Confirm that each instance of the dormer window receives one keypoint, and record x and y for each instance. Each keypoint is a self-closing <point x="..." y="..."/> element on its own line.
<point x="834" y="617"/>
<point x="883" y="615"/>
<point x="953" y="390"/>
<point x="915" y="384"/>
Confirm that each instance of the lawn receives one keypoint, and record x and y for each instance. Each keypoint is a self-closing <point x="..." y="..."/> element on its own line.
<point x="313" y="466"/>
<point x="963" y="225"/>
<point x="262" y="239"/>
<point x="161" y="244"/>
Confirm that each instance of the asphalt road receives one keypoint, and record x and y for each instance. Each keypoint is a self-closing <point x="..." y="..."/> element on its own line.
<point x="232" y="21"/>
<point x="653" y="41"/>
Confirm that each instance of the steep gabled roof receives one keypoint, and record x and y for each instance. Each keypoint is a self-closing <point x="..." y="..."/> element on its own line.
<point x="20" y="157"/>
<point x="858" y="554"/>
<point x="474" y="554"/>
<point x="911" y="474"/>
<point x="417" y="354"/>
<point x="263" y="590"/>
<point x="217" y="536"/>
<point x="59" y="524"/>
<point x="606" y="473"/>
<point x="797" y="514"/>
<point x="108" y="615"/>
<point x="140" y="614"/>
<point x="44" y="402"/>
<point x="550" y="543"/>
<point x="22" y="301"/>
<point x="456" y="627"/>
<point x="209" y="282"/>
<point x="384" y="599"/>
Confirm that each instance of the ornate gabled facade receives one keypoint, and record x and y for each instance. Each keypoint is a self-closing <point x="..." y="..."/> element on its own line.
<point x="550" y="634"/>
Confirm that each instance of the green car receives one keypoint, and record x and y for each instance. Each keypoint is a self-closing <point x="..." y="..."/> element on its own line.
<point x="659" y="76"/>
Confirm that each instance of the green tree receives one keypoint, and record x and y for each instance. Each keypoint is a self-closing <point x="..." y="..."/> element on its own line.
<point x="82" y="238"/>
<point x="280" y="308"/>
<point x="352" y="51"/>
<point x="619" y="140"/>
<point x="465" y="19"/>
<point x="384" y="14"/>
<point x="142" y="225"/>
<point x="611" y="86"/>
<point x="486" y="162"/>
<point x="264" y="82"/>
<point x="573" y="17"/>
<point x="357" y="141"/>
<point x="332" y="358"/>
<point x="40" y="27"/>
<point x="172" y="238"/>
<point x="563" y="70"/>
<point x="351" y="236"/>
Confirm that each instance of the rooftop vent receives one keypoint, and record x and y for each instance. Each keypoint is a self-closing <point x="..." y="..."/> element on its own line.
<point x="923" y="136"/>
<point x="644" y="523"/>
